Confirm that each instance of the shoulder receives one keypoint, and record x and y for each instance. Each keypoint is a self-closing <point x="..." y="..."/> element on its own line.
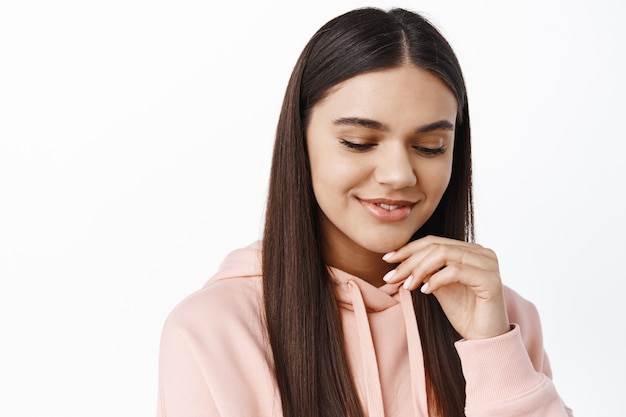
<point x="211" y="344"/>
<point x="223" y="309"/>
<point x="233" y="293"/>
<point x="221" y="322"/>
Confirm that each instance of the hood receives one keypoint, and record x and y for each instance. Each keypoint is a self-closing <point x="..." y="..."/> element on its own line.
<point x="375" y="298"/>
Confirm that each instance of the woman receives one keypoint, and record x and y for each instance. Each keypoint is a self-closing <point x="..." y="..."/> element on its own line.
<point x="366" y="296"/>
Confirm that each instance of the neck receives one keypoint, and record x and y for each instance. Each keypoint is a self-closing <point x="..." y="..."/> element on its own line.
<point x="367" y="265"/>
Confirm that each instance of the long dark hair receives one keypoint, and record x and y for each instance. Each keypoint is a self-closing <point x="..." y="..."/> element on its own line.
<point x="303" y="324"/>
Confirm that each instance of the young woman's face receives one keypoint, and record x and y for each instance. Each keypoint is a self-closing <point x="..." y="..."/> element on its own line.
<point x="380" y="147"/>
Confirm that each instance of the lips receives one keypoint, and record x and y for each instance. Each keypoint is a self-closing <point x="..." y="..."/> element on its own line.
<point x="388" y="210"/>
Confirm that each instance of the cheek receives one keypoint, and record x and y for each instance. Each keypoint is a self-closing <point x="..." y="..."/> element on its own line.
<point x="435" y="177"/>
<point x="332" y="173"/>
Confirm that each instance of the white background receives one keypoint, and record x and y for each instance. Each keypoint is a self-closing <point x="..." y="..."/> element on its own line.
<point x="135" y="142"/>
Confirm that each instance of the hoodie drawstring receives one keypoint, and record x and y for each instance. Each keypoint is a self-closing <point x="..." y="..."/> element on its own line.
<point x="368" y="354"/>
<point x="374" y="392"/>
<point x="416" y="363"/>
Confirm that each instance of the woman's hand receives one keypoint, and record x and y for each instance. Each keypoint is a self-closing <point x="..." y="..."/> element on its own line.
<point x="463" y="276"/>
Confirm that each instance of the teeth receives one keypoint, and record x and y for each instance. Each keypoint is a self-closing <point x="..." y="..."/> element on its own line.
<point x="388" y="207"/>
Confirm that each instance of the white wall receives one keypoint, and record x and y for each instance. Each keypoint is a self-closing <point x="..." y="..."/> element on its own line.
<point x="135" y="141"/>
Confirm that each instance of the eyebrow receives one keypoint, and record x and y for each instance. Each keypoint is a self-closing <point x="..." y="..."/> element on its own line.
<point x="373" y="124"/>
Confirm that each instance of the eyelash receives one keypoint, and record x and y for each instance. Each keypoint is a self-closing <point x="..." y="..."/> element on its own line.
<point x="430" y="151"/>
<point x="364" y="147"/>
<point x="361" y="147"/>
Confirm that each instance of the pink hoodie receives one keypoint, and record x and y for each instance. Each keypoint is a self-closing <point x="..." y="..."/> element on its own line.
<point x="215" y="359"/>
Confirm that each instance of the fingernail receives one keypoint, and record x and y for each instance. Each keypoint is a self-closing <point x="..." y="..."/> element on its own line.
<point x="389" y="275"/>
<point x="388" y="255"/>
<point x="407" y="283"/>
<point x="424" y="288"/>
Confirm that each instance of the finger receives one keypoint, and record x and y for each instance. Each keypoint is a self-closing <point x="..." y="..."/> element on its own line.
<point x="430" y="260"/>
<point x="441" y="256"/>
<point x="484" y="284"/>
<point x="412" y="247"/>
<point x="410" y="267"/>
<point x="411" y="255"/>
<point x="415" y="246"/>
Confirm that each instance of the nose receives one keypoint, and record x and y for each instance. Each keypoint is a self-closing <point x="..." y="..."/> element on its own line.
<point x="394" y="168"/>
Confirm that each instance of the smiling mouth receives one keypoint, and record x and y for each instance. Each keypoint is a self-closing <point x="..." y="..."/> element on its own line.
<point x="389" y="210"/>
<point x="389" y="207"/>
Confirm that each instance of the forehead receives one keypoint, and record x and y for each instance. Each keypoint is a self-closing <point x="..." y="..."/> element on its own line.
<point x="401" y="94"/>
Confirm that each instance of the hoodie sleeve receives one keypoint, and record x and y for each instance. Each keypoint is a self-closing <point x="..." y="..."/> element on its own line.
<point x="510" y="375"/>
<point x="183" y="390"/>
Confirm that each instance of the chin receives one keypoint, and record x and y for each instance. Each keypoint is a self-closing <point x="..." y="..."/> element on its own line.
<point x="386" y="245"/>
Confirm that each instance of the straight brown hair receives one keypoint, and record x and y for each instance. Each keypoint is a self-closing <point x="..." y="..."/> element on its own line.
<point x="303" y="324"/>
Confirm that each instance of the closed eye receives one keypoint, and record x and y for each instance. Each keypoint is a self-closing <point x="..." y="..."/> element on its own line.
<point x="360" y="147"/>
<point x="430" y="151"/>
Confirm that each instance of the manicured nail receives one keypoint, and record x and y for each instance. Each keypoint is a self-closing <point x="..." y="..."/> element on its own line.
<point x="407" y="283"/>
<point x="424" y="288"/>
<point x="389" y="275"/>
<point x="388" y="255"/>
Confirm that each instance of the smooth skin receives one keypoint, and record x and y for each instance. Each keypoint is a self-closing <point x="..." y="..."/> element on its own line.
<point x="380" y="149"/>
